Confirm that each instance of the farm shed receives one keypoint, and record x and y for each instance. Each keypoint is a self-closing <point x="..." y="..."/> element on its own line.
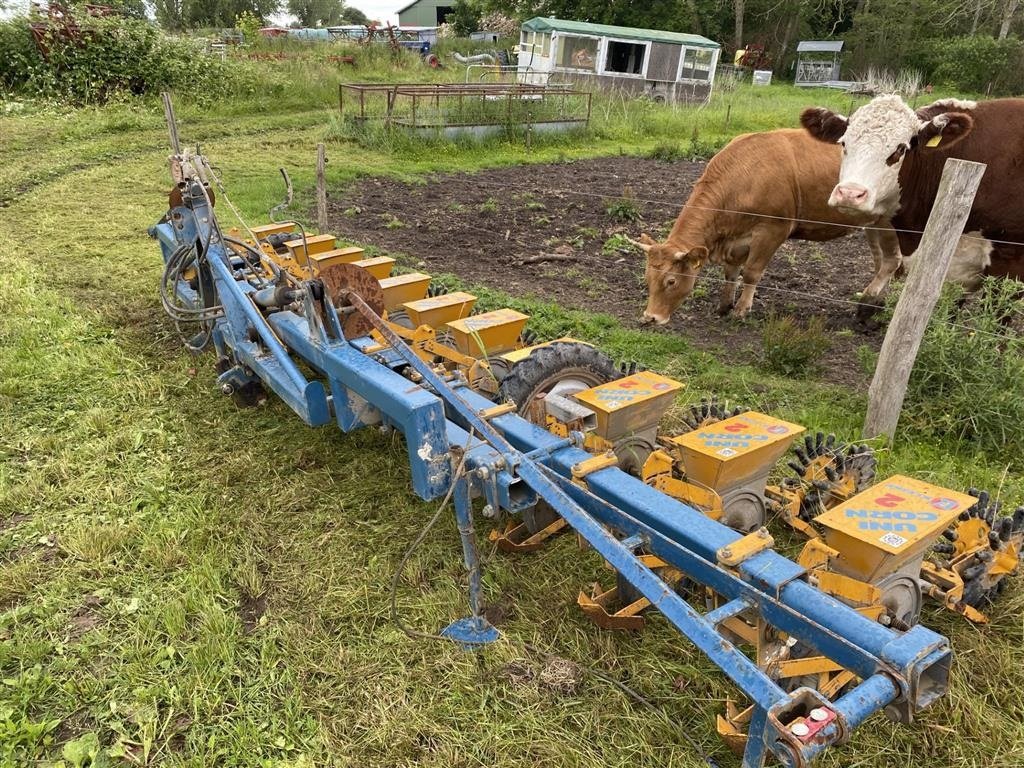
<point x="667" y="66"/>
<point x="425" y="13"/>
<point x="817" y="61"/>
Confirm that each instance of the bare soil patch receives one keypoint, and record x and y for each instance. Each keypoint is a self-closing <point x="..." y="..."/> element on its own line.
<point x="487" y="226"/>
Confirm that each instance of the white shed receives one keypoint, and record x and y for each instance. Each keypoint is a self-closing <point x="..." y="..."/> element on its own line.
<point x="666" y="66"/>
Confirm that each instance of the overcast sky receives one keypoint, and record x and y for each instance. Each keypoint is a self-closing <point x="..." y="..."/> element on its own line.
<point x="382" y="10"/>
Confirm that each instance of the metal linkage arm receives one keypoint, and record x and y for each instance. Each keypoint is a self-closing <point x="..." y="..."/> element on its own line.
<point x="909" y="668"/>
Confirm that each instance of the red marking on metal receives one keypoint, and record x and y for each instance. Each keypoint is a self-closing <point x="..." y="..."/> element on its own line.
<point x="889" y="500"/>
<point x="737" y="427"/>
<point x="814" y="726"/>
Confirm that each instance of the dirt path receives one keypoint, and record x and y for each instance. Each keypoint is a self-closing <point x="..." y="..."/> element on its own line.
<point x="482" y="226"/>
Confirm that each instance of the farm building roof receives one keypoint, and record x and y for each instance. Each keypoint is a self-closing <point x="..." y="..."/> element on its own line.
<point x="819" y="46"/>
<point x="544" y="24"/>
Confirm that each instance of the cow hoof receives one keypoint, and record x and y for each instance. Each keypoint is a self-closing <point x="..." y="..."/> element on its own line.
<point x="868" y="309"/>
<point x="724" y="309"/>
<point x="740" y="314"/>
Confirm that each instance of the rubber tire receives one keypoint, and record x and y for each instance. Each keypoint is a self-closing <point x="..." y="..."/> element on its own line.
<point x="542" y="369"/>
<point x="546" y="366"/>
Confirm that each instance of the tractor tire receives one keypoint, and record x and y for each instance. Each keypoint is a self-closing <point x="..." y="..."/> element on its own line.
<point x="563" y="367"/>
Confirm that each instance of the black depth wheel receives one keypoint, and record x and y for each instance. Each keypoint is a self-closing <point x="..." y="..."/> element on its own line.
<point x="562" y="367"/>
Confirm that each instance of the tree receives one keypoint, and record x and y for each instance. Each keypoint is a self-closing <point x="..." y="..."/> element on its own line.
<point x="177" y="15"/>
<point x="1008" y="10"/>
<point x="352" y="15"/>
<point x="316" y="13"/>
<point x="739" y="6"/>
<point x="464" y="18"/>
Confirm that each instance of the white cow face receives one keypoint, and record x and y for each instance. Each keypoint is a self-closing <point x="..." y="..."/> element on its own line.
<point x="875" y="139"/>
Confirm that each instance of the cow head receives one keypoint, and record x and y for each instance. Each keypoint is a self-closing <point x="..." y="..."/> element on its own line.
<point x="671" y="272"/>
<point x="876" y="138"/>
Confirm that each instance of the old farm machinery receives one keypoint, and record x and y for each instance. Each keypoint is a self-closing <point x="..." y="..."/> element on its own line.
<point x="553" y="435"/>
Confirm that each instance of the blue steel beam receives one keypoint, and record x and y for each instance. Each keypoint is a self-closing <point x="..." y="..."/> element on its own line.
<point x="894" y="667"/>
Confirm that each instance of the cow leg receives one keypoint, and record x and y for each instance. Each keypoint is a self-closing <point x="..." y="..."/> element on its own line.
<point x="727" y="296"/>
<point x="885" y="250"/>
<point x="763" y="246"/>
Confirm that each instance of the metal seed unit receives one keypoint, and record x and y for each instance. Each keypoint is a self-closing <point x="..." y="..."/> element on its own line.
<point x="450" y="110"/>
<point x="316" y="332"/>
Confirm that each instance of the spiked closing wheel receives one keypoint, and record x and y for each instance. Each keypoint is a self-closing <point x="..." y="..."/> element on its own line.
<point x="708" y="412"/>
<point x="983" y="546"/>
<point x="830" y="472"/>
<point x="338" y="280"/>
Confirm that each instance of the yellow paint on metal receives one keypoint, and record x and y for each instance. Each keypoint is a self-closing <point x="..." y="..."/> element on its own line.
<point x="515" y="355"/>
<point x="848" y="589"/>
<point x="497" y="410"/>
<point x="631" y="404"/>
<point x="704" y="499"/>
<point x="379" y="266"/>
<point x="736" y="449"/>
<point x="970" y="534"/>
<point x="815" y="554"/>
<point x="888" y="524"/>
<point x="402" y="288"/>
<point x="811" y="665"/>
<point x="658" y="463"/>
<point x="336" y="256"/>
<point x="594" y="464"/>
<point x="314" y="244"/>
<point x="436" y="311"/>
<point x="489" y="333"/>
<point x="745" y="548"/>
<point x="266" y="230"/>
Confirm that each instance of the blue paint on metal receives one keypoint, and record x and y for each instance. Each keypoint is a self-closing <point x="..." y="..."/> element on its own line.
<point x="471" y="633"/>
<point x="512" y="462"/>
<point x="474" y="630"/>
<point x="416" y="412"/>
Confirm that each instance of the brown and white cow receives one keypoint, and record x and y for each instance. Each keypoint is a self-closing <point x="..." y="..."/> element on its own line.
<point x="892" y="162"/>
<point x="760" y="190"/>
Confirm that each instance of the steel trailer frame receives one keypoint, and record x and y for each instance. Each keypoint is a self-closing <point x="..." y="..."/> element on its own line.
<point x="455" y="435"/>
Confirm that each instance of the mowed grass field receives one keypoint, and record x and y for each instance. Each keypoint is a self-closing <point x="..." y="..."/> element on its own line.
<point x="183" y="583"/>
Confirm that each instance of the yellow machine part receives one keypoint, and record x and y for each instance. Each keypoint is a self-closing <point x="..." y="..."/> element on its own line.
<point x="313" y="244"/>
<point x="631" y="404"/>
<point x="489" y="333"/>
<point x="437" y="311"/>
<point x="880" y="529"/>
<point x="379" y="266"/>
<point x="402" y="288"/>
<point x="734" y="450"/>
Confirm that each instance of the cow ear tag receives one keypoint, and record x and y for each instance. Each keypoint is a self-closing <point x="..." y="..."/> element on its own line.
<point x="934" y="141"/>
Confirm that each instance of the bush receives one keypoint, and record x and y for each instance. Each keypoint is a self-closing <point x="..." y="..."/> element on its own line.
<point x="19" y="53"/>
<point x="464" y="18"/>
<point x="791" y="348"/>
<point x="111" y="56"/>
<point x="625" y="209"/>
<point x="968" y="380"/>
<point x="980" y="63"/>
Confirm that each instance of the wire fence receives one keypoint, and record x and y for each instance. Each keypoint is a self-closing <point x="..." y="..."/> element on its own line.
<point x="498" y="238"/>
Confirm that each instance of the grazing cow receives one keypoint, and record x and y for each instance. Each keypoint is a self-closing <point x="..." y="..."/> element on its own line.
<point x="893" y="159"/>
<point x="760" y="190"/>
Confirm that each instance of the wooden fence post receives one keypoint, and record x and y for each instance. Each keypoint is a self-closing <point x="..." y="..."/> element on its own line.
<point x="321" y="187"/>
<point x="959" y="184"/>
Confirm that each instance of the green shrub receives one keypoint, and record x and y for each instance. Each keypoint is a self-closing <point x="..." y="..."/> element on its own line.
<point x="18" y="53"/>
<point x="112" y="56"/>
<point x="968" y="380"/>
<point x="625" y="209"/>
<point x="792" y="348"/>
<point x="980" y="63"/>
<point x="667" y="152"/>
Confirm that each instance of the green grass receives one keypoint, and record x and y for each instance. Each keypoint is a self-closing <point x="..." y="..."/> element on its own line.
<point x="198" y="585"/>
